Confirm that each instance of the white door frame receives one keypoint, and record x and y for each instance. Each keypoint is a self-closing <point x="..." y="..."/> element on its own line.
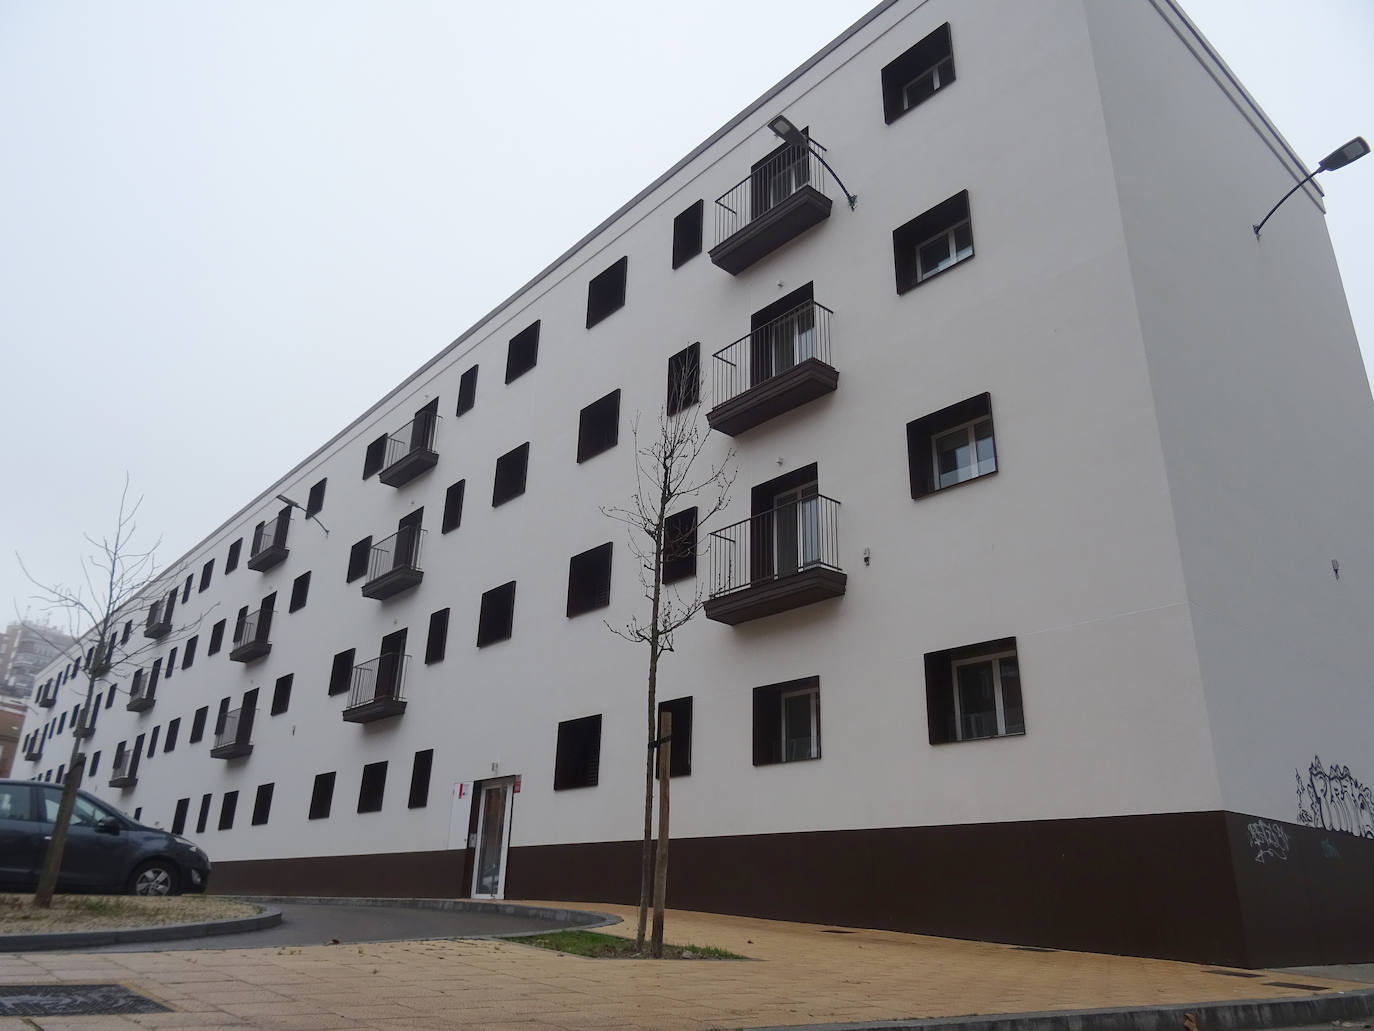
<point x="506" y="784"/>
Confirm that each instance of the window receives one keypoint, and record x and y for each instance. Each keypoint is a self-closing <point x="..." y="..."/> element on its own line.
<point x="680" y="754"/>
<point x="419" y="779"/>
<point x="186" y="589"/>
<point x="375" y="456"/>
<point x="179" y="818"/>
<point x="467" y="391"/>
<point x="189" y="656"/>
<point x="231" y="561"/>
<point x="204" y="816"/>
<point x="173" y="728"/>
<point x="598" y="427"/>
<point x="171" y="663"/>
<point x="606" y="293"/>
<point x="321" y="796"/>
<point x="577" y="763"/>
<point x="589" y="580"/>
<point x="221" y="716"/>
<point x="216" y="638"/>
<point x="951" y="446"/>
<point x="680" y="545"/>
<point x="453" y="507"/>
<point x="787" y="722"/>
<point x="684" y="378"/>
<point x="438" y="637"/>
<point x="357" y="559"/>
<point x="523" y="352"/>
<point x="95" y="762"/>
<point x="206" y="572"/>
<point x="315" y="502"/>
<point x="497" y="615"/>
<point x="110" y="698"/>
<point x="152" y="742"/>
<point x="372" y="788"/>
<point x="198" y="724"/>
<point x="510" y="475"/>
<point x="281" y="694"/>
<point x="228" y="804"/>
<point x="933" y="242"/>
<point x="341" y="672"/>
<point x="262" y="804"/>
<point x="687" y="235"/>
<point x="300" y="590"/>
<point x="128" y="628"/>
<point x="918" y="74"/>
<point x="974" y="692"/>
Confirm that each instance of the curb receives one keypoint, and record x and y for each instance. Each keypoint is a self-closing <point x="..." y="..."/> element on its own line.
<point x="1210" y="1016"/>
<point x="269" y="917"/>
<point x="583" y="919"/>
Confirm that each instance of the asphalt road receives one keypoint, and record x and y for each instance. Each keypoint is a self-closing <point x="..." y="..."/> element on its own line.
<point x="308" y="924"/>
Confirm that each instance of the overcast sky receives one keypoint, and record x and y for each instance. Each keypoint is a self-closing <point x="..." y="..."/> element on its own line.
<point x="195" y="195"/>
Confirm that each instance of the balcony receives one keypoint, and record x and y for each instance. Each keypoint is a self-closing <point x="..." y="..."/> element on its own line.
<point x="377" y="689"/>
<point x="393" y="565"/>
<point x="100" y="664"/>
<point x="141" y="693"/>
<point x="781" y="365"/>
<point x="159" y="622"/>
<point x="33" y="753"/>
<point x="47" y="700"/>
<point x="83" y="730"/>
<point x="780" y="199"/>
<point x="250" y="637"/>
<point x="124" y="774"/>
<point x="234" y="739"/>
<point x="410" y="450"/>
<point x="775" y="561"/>
<point x="269" y="544"/>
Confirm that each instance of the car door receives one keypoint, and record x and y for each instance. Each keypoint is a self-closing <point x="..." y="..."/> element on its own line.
<point x="92" y="858"/>
<point x="20" y="837"/>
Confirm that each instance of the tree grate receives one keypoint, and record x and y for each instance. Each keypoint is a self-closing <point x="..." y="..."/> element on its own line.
<point x="72" y="1000"/>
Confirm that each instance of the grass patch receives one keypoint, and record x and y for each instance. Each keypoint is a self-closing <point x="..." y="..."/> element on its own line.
<point x="610" y="946"/>
<point x="105" y="912"/>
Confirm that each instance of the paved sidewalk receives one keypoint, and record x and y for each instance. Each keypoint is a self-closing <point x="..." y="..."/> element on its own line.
<point x="805" y="976"/>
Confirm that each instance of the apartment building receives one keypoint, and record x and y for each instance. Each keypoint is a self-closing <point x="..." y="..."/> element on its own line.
<point x="1036" y="611"/>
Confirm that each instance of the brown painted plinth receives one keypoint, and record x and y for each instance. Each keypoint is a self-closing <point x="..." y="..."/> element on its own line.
<point x="140" y="702"/>
<point x="374" y="709"/>
<point x="232" y="750"/>
<point x="268" y="557"/>
<point x="409" y="466"/>
<point x="250" y="651"/>
<point x="393" y="582"/>
<point x="769" y="597"/>
<point x="780" y="224"/>
<point x="804" y="382"/>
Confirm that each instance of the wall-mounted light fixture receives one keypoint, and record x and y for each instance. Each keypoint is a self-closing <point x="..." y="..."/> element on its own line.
<point x="1338" y="158"/>
<point x="296" y="504"/>
<point x="784" y="130"/>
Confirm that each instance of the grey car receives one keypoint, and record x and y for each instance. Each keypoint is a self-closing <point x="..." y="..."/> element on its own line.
<point x="106" y="851"/>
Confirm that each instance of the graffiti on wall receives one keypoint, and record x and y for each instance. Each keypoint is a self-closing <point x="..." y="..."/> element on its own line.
<point x="1332" y="799"/>
<point x="1268" y="839"/>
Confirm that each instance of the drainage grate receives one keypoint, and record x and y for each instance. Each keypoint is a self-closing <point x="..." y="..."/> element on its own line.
<point x="836" y="930"/>
<point x="1299" y="984"/>
<point x="72" y="1000"/>
<point x="1233" y="973"/>
<point x="1032" y="948"/>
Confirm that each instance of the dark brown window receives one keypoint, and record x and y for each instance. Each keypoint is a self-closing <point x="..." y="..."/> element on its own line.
<point x="951" y="446"/>
<point x="281" y="695"/>
<point x="437" y="643"/>
<point x="974" y="692"/>
<point x="787" y="722"/>
<point x="227" y="805"/>
<point x="216" y="638"/>
<point x="419" y="779"/>
<point x="374" y="456"/>
<point x="680" y="545"/>
<point x="598" y="427"/>
<point x="372" y="788"/>
<point x="198" y="724"/>
<point x="171" y="663"/>
<point x="357" y="559"/>
<point x="606" y="293"/>
<point x="204" y="816"/>
<point x="262" y="804"/>
<point x="932" y="242"/>
<point x="128" y="628"/>
<point x="341" y="672"/>
<point x="523" y="352"/>
<point x="497" y="615"/>
<point x="687" y="235"/>
<point x="577" y="763"/>
<point x="510" y="475"/>
<point x="918" y="74"/>
<point x="680" y="754"/>
<point x="300" y="591"/>
<point x="453" y="507"/>
<point x="186" y="588"/>
<point x="315" y="502"/>
<point x="589" y="580"/>
<point x="179" y="817"/>
<point x="321" y="796"/>
<point x="221" y="716"/>
<point x="467" y="391"/>
<point x="684" y="378"/>
<point x="152" y="740"/>
<point x="173" y="729"/>
<point x="231" y="561"/>
<point x="189" y="656"/>
<point x="95" y="761"/>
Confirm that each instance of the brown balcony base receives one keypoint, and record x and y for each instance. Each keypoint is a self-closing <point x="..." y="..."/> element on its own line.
<point x="409" y="466"/>
<point x="250" y="651"/>
<point x="157" y="630"/>
<point x="393" y="581"/>
<point x="127" y="781"/>
<point x="268" y="557"/>
<point x="769" y="597"/>
<point x="83" y="732"/>
<point x="374" y="709"/>
<point x="140" y="703"/>
<point x="781" y="223"/>
<point x="33" y="757"/>
<point x="800" y="384"/>
<point x="47" y="701"/>
<point x="232" y="750"/>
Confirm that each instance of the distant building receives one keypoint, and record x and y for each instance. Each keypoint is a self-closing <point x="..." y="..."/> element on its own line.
<point x="25" y="648"/>
<point x="11" y="720"/>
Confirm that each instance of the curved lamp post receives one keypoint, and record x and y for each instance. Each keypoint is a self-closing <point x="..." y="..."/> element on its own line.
<point x="1338" y="158"/>
<point x="784" y="130"/>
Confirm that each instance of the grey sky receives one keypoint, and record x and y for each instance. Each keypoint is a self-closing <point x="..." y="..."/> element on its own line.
<point x="227" y="228"/>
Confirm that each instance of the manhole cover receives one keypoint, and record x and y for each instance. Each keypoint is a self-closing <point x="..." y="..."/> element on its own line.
<point x="72" y="1000"/>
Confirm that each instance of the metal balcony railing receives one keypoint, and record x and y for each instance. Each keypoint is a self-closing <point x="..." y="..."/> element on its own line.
<point x="792" y="538"/>
<point x="772" y="349"/>
<point x="252" y="636"/>
<point x="124" y="772"/>
<point x="33" y="753"/>
<point x="141" y="692"/>
<point x="159" y="620"/>
<point x="767" y="186"/>
<point x="236" y="731"/>
<point x="410" y="450"/>
<point x="269" y="543"/>
<point x="377" y="688"/>
<point x="399" y="551"/>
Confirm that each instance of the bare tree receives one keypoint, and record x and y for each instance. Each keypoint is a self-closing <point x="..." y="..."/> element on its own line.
<point x="113" y="577"/>
<point x="670" y="468"/>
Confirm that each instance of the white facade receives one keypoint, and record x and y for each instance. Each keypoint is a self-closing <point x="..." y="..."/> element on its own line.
<point x="1183" y="430"/>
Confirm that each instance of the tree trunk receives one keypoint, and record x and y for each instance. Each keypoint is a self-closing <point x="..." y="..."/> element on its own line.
<point x="646" y="855"/>
<point x="57" y="843"/>
<point x="665" y="755"/>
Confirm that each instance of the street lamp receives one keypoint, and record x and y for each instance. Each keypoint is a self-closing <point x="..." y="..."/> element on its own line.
<point x="787" y="132"/>
<point x="1338" y="158"/>
<point x="296" y="504"/>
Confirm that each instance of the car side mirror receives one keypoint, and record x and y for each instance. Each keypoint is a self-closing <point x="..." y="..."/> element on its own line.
<point x="109" y="825"/>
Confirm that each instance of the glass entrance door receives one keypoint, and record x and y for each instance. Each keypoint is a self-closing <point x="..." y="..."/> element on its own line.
<point x="493" y="833"/>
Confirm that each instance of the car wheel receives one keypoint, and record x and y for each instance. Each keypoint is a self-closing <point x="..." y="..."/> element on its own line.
<point x="157" y="877"/>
